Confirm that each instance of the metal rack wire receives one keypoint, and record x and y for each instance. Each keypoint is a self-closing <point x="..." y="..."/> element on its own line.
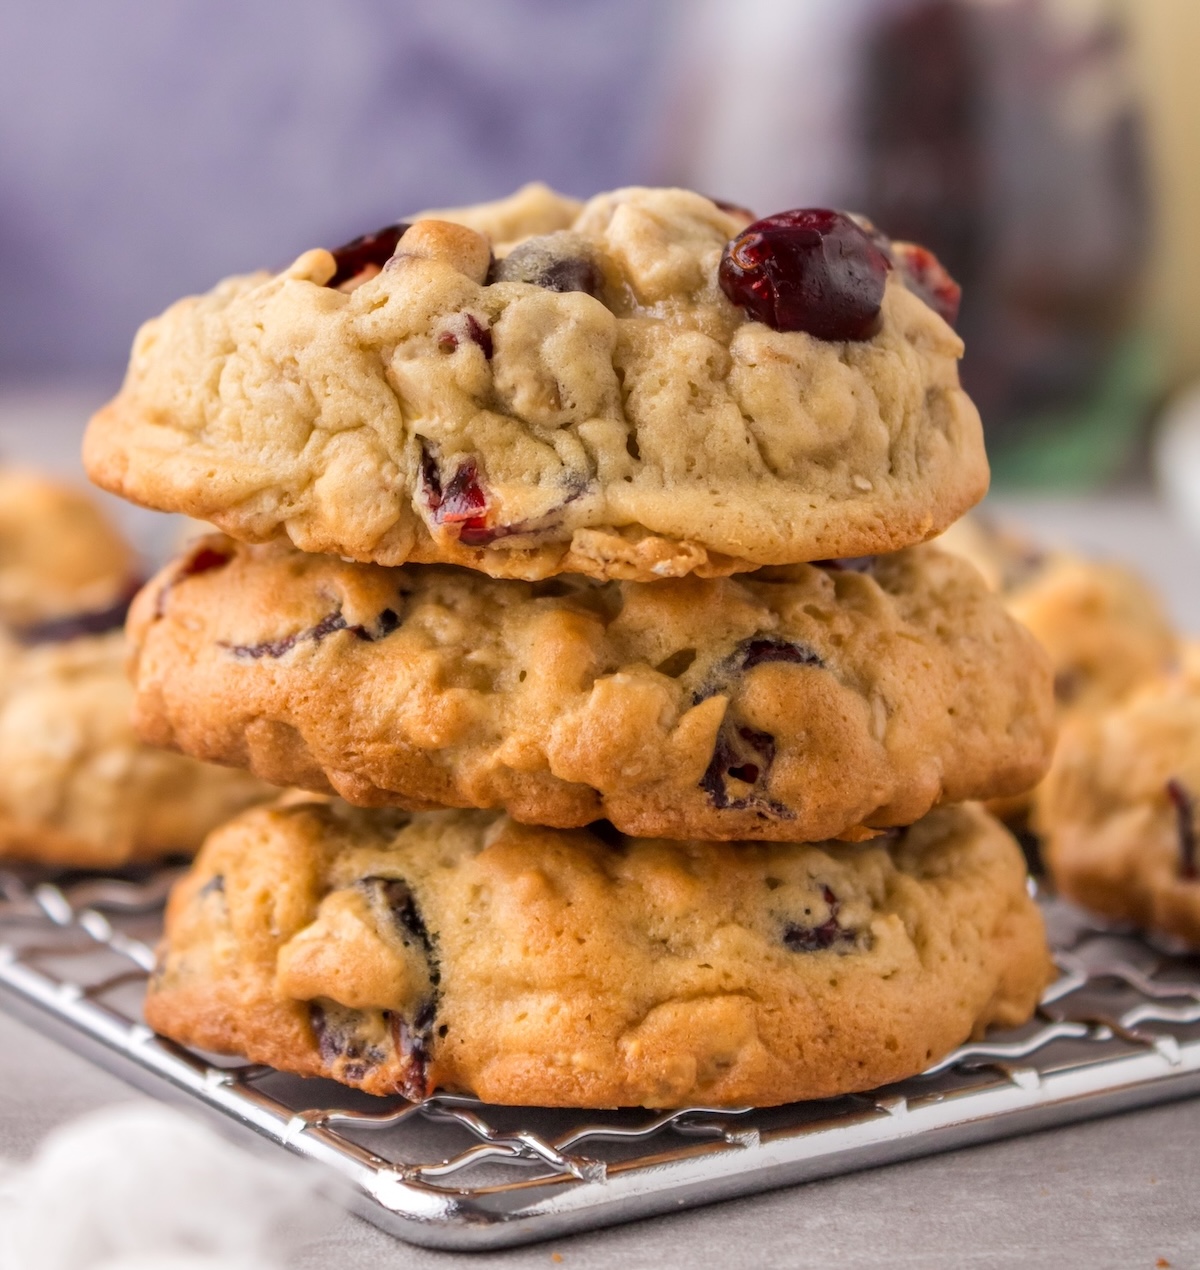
<point x="1120" y="1028"/>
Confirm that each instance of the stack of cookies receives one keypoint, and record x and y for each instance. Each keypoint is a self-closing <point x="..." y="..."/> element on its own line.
<point x="577" y="548"/>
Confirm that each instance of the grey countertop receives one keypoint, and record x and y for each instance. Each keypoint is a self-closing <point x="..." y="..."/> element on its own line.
<point x="1118" y="1192"/>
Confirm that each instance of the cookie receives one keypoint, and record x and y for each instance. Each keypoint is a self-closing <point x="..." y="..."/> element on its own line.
<point x="60" y="556"/>
<point x="462" y="951"/>
<point x="77" y="788"/>
<point x="797" y="703"/>
<point x="1119" y="815"/>
<point x="1103" y="626"/>
<point x="637" y="388"/>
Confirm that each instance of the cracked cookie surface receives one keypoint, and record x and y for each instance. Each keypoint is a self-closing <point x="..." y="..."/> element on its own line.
<point x="539" y="386"/>
<point x="797" y="703"/>
<point x="1119" y="815"/>
<point x="459" y="950"/>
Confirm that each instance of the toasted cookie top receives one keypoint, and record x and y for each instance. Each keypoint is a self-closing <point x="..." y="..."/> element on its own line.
<point x="643" y="386"/>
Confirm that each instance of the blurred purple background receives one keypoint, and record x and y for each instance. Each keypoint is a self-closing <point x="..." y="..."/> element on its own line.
<point x="148" y="149"/>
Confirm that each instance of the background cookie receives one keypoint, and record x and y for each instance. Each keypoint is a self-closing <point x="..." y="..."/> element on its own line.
<point x="60" y="556"/>
<point x="797" y="703"/>
<point x="1118" y="813"/>
<point x="533" y="966"/>
<point x="611" y="396"/>
<point x="77" y="788"/>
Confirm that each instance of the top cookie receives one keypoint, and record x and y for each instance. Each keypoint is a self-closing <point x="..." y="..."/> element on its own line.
<point x="536" y="386"/>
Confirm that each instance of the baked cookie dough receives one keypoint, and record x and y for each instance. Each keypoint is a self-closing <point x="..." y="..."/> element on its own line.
<point x="462" y="951"/>
<point x="1119" y="814"/>
<point x="1102" y="625"/>
<point x="797" y="703"/>
<point x="540" y="386"/>
<point x="77" y="788"/>
<point x="60" y="556"/>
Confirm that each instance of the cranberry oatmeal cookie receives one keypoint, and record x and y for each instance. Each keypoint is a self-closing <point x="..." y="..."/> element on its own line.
<point x="77" y="788"/>
<point x="60" y="556"/>
<point x="1102" y="625"/>
<point x="639" y="387"/>
<point x="1119" y="812"/>
<point x="797" y="703"/>
<point x="459" y="950"/>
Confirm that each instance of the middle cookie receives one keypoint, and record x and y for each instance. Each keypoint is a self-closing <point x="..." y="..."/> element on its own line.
<point x="797" y="703"/>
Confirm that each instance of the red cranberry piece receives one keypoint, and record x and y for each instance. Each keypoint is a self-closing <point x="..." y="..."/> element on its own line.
<point x="368" y="249"/>
<point x="769" y="648"/>
<point x="462" y="502"/>
<point x="480" y="335"/>
<point x="59" y="630"/>
<point x="811" y="270"/>
<point x="801" y="938"/>
<point x="924" y="274"/>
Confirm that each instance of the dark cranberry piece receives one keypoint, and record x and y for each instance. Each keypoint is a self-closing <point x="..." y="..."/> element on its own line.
<point x="557" y="262"/>
<point x="394" y="896"/>
<point x="801" y="938"/>
<point x="874" y="233"/>
<point x="461" y="503"/>
<point x="1185" y="823"/>
<point x="203" y="560"/>
<point x="924" y="274"/>
<point x="742" y="754"/>
<point x="480" y="335"/>
<point x="369" y="249"/>
<point x="388" y="621"/>
<point x="413" y="1041"/>
<point x="339" y="1041"/>
<point x="768" y="648"/>
<point x="58" y="630"/>
<point x="811" y="270"/>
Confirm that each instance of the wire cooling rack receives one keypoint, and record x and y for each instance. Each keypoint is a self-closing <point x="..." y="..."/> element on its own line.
<point x="1119" y="1029"/>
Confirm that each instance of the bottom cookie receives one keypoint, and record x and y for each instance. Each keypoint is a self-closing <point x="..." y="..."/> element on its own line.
<point x="463" y="951"/>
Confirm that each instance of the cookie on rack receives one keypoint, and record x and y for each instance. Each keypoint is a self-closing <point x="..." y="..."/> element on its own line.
<point x="797" y="703"/>
<point x="60" y="556"/>
<point x="77" y="788"/>
<point x="1101" y="623"/>
<point x="1119" y="814"/>
<point x="462" y="951"/>
<point x="639" y="387"/>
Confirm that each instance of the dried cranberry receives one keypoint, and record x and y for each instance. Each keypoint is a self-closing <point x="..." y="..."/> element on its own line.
<point x="58" y="630"/>
<point x="801" y="938"/>
<point x="770" y="648"/>
<point x="362" y="252"/>
<point x="462" y="502"/>
<point x="811" y="270"/>
<point x="557" y="262"/>
<point x="480" y="335"/>
<point x="924" y="274"/>
<point x="388" y="621"/>
<point x="742" y="754"/>
<point x="1185" y="825"/>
